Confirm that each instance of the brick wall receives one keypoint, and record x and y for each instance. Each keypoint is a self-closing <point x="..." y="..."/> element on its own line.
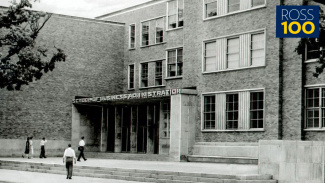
<point x="93" y="68"/>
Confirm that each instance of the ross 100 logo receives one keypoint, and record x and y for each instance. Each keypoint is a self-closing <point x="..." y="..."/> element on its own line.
<point x="297" y="21"/>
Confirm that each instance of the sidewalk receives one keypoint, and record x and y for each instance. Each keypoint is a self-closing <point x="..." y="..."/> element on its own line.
<point x="12" y="176"/>
<point x="227" y="169"/>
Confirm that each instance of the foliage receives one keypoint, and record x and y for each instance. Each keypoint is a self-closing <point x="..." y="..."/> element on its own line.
<point x="24" y="61"/>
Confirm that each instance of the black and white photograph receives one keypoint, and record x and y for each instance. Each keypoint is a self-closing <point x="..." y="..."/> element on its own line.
<point x="165" y="91"/>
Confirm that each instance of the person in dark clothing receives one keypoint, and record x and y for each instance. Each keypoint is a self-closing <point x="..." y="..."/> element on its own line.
<point x="81" y="148"/>
<point x="42" y="144"/>
<point x="26" y="153"/>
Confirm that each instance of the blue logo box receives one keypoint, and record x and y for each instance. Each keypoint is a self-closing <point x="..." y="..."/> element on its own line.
<point x="297" y="21"/>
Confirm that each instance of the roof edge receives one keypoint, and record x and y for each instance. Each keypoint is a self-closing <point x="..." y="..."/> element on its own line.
<point x="77" y="18"/>
<point x="130" y="8"/>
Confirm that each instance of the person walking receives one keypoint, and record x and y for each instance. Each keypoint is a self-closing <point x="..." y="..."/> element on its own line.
<point x="26" y="148"/>
<point x="81" y="148"/>
<point x="31" y="148"/>
<point x="42" y="144"/>
<point x="69" y="157"/>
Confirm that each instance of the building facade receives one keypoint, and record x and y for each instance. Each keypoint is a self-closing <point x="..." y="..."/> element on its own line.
<point x="178" y="73"/>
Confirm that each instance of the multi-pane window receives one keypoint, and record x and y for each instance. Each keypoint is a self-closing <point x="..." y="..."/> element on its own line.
<point x="315" y="108"/>
<point x="175" y="62"/>
<point x="257" y="49"/>
<point x="228" y="53"/>
<point x="175" y="14"/>
<point x="243" y="110"/>
<point x="132" y="36"/>
<point x="160" y="30"/>
<point x="233" y="53"/>
<point x="233" y="5"/>
<point x="256" y="109"/>
<point x="158" y="73"/>
<point x="145" y="33"/>
<point x="232" y="111"/>
<point x="312" y="49"/>
<point x="144" y="75"/>
<point x="211" y="8"/>
<point x="131" y="76"/>
<point x="209" y="112"/>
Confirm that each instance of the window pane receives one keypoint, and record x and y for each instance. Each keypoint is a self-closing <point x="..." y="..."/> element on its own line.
<point x="171" y="57"/>
<point x="257" y="50"/>
<point x="211" y="9"/>
<point x="144" y="75"/>
<point x="131" y="76"/>
<point x="256" y="109"/>
<point x="132" y="36"/>
<point x="209" y="112"/>
<point x="233" y="53"/>
<point x="233" y="5"/>
<point x="313" y="49"/>
<point x="145" y="33"/>
<point x="232" y="111"/>
<point x="159" y="30"/>
<point x="180" y="13"/>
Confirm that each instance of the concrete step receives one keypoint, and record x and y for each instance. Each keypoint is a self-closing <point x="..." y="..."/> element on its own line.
<point x="128" y="156"/>
<point x="136" y="174"/>
<point x="220" y="159"/>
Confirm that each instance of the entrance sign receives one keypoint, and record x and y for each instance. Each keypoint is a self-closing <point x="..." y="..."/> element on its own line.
<point x="297" y="21"/>
<point x="140" y="95"/>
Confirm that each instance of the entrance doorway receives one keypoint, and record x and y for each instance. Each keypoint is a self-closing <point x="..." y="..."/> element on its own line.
<point x="126" y="129"/>
<point x="142" y="129"/>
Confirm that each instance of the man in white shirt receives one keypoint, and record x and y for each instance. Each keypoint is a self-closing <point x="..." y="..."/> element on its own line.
<point x="69" y="157"/>
<point x="81" y="149"/>
<point x="42" y="144"/>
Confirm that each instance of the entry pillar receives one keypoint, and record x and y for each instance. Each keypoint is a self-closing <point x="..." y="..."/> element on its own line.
<point x="182" y="124"/>
<point x="103" y="133"/>
<point x="75" y="126"/>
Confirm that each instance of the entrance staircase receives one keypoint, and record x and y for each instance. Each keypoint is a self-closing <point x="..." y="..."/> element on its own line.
<point x="225" y="152"/>
<point x="135" y="174"/>
<point x="128" y="156"/>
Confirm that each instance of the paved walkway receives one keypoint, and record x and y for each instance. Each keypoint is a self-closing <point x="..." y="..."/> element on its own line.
<point x="12" y="176"/>
<point x="227" y="169"/>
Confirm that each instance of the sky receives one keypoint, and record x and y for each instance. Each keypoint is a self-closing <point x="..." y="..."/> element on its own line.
<point x="80" y="8"/>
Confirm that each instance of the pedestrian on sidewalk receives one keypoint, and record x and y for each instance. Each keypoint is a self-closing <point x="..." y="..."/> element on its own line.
<point x="81" y="148"/>
<point x="26" y="148"/>
<point x="69" y="157"/>
<point x="42" y="144"/>
<point x="31" y="148"/>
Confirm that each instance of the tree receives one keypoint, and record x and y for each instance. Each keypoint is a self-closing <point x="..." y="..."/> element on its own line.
<point x="316" y="42"/>
<point x="22" y="60"/>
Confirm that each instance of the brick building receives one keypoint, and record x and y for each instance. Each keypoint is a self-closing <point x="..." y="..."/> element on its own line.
<point x="201" y="78"/>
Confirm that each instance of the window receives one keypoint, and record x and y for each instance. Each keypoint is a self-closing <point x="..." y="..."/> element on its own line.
<point x="175" y="63"/>
<point x="175" y="14"/>
<point x="160" y="30"/>
<point x="211" y="8"/>
<point x="217" y="8"/>
<point x="132" y="36"/>
<point x="233" y="5"/>
<point x="131" y="76"/>
<point x="166" y="120"/>
<point x="229" y="53"/>
<point x="232" y="111"/>
<point x="145" y="33"/>
<point x="158" y="74"/>
<point x="144" y="75"/>
<point x="233" y="53"/>
<point x="257" y="49"/>
<point x="209" y="112"/>
<point x="315" y="109"/>
<point x="312" y="49"/>
<point x="243" y="110"/>
<point x="210" y="56"/>
<point x="256" y="109"/>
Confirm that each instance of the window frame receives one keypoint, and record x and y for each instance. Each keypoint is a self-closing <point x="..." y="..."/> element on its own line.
<point x="141" y="43"/>
<point x="306" y="60"/>
<point x="320" y="108"/>
<point x="129" y="76"/>
<point x="141" y="75"/>
<point x="130" y="37"/>
<point x="163" y="30"/>
<point x="176" y="63"/>
<point x="232" y="111"/>
<point x="232" y="53"/>
<point x="205" y="6"/>
<point x="226" y="13"/>
<point x="177" y="15"/>
<point x="160" y="76"/>
<point x="204" y="42"/>
<point x="251" y="48"/>
<point x="250" y="129"/>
